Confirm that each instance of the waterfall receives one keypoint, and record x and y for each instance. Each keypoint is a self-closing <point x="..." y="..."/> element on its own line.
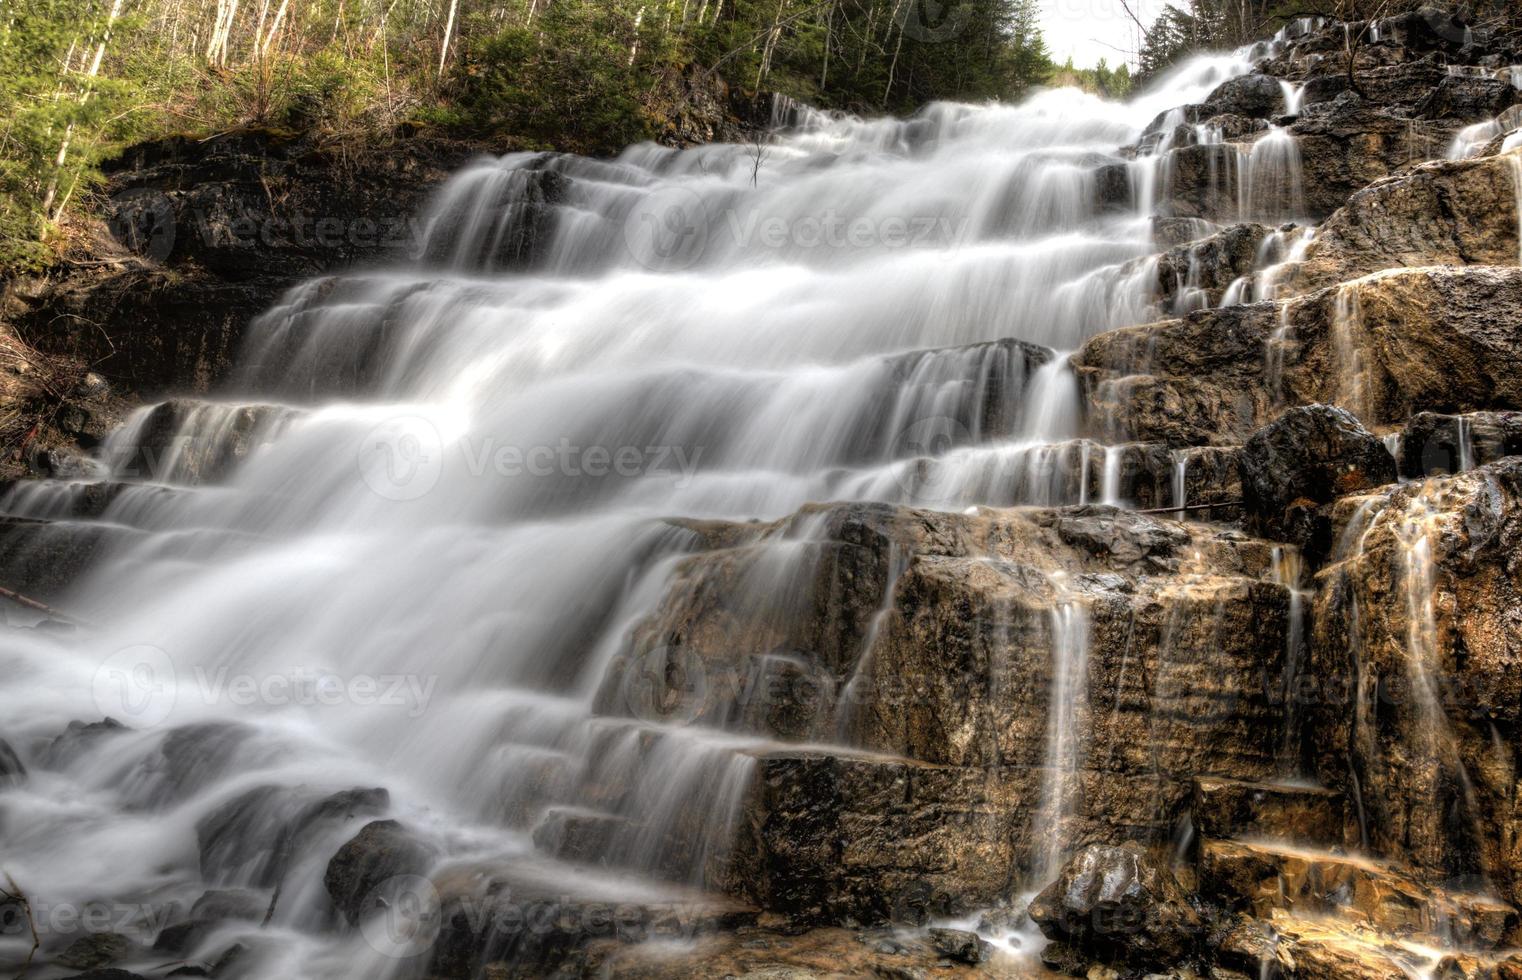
<point x="1269" y="185"/>
<point x="1067" y="706"/>
<point x="1516" y="177"/>
<point x="1289" y="571"/>
<point x="1354" y="379"/>
<point x="435" y="534"/>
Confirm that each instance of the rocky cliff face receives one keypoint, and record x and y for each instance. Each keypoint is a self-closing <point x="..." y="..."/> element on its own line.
<point x="1260" y="721"/>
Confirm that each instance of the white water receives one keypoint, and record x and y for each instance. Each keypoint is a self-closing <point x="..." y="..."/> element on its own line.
<point x="1516" y="178"/>
<point x="447" y="523"/>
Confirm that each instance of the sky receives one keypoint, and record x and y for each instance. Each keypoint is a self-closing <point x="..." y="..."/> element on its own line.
<point x="1092" y="29"/>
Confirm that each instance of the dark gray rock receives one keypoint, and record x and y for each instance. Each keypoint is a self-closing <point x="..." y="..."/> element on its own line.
<point x="1436" y="443"/>
<point x="382" y="851"/>
<point x="255" y="836"/>
<point x="97" y="950"/>
<point x="1118" y="904"/>
<point x="1303" y="460"/>
<point x="1254" y="96"/>
<point x="960" y="946"/>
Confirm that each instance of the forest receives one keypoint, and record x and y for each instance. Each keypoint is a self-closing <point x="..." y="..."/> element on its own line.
<point x="79" y="79"/>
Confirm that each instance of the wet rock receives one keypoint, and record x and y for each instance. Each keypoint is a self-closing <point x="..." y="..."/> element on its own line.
<point x="757" y="954"/>
<point x="530" y="922"/>
<point x="204" y="235"/>
<point x="97" y="950"/>
<point x="1118" y="904"/>
<point x="41" y="560"/>
<point x="1196" y="275"/>
<point x="188" y="759"/>
<point x="1263" y="877"/>
<point x="1226" y="808"/>
<point x="959" y="945"/>
<point x="1257" y="96"/>
<point x="12" y="771"/>
<point x="1304" y="460"/>
<point x="384" y="850"/>
<point x="1113" y="191"/>
<point x="1447" y="212"/>
<point x="1347" y="144"/>
<point x="193" y="442"/>
<point x="1385" y="346"/>
<point x="77" y="739"/>
<point x="256" y="836"/>
<point x="1434" y="444"/>
<point x="829" y="839"/>
<point x="1465" y="98"/>
<point x="1414" y="672"/>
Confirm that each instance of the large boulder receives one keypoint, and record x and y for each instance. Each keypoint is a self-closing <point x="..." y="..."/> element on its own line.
<point x="1254" y="96"/>
<point x="382" y="854"/>
<point x="1304" y="460"/>
<point x="1447" y="212"/>
<point x="1118" y="904"/>
<point x="1414" y="683"/>
<point x="255" y="837"/>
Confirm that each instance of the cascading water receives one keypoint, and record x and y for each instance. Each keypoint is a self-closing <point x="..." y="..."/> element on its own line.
<point x="417" y="553"/>
<point x="1516" y="177"/>
<point x="1067" y="702"/>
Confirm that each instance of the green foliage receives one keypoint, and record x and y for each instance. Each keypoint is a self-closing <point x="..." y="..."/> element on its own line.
<point x="1102" y="80"/>
<point x="57" y="124"/>
<point x="565" y="82"/>
<point x="81" y="78"/>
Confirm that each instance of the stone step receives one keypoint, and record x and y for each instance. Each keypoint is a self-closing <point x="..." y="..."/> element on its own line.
<point x="41" y="559"/>
<point x="578" y="834"/>
<point x="1434" y="443"/>
<point x="537" y="915"/>
<point x="120" y="502"/>
<point x="1227" y="808"/>
<point x="1288" y="946"/>
<point x="189" y="441"/>
<point x="1261" y="877"/>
